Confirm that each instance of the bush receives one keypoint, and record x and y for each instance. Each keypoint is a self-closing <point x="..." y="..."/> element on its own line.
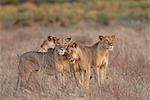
<point x="8" y="16"/>
<point x="103" y="19"/>
<point x="142" y="17"/>
<point x="10" y="1"/>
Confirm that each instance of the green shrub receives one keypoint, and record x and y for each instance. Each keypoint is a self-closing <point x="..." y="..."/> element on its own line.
<point x="133" y="16"/>
<point x="10" y="1"/>
<point x="103" y="19"/>
<point x="8" y="16"/>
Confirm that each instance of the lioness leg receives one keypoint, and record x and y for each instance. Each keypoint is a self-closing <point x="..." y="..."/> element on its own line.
<point x="88" y="73"/>
<point x="103" y="74"/>
<point x="76" y="75"/>
<point x="97" y="74"/>
<point x="85" y="81"/>
<point x="107" y="71"/>
<point x="64" y="78"/>
<point x="24" y="77"/>
<point x="82" y="78"/>
<point x="59" y="77"/>
<point x="104" y="71"/>
<point x="59" y="73"/>
<point x="26" y="68"/>
<point x="34" y="83"/>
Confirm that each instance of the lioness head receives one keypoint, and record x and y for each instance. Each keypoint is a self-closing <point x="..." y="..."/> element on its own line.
<point x="62" y="45"/>
<point x="107" y="42"/>
<point x="51" y="42"/>
<point x="73" y="51"/>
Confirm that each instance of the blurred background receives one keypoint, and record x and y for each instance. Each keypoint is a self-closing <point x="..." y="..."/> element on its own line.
<point x="70" y="12"/>
<point x="25" y="24"/>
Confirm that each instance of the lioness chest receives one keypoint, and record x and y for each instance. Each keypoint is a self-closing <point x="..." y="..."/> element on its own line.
<point x="101" y="58"/>
<point x="62" y="63"/>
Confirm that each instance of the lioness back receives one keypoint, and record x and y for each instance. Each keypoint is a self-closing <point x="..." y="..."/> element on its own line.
<point x="36" y="60"/>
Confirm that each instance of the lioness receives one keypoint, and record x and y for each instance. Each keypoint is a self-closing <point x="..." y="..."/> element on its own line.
<point x="32" y="61"/>
<point x="52" y="61"/>
<point x="49" y="43"/>
<point x="101" y="52"/>
<point x="62" y="65"/>
<point x="97" y="55"/>
<point x="81" y="60"/>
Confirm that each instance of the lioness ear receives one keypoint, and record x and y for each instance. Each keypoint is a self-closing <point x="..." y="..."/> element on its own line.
<point x="101" y="37"/>
<point x="41" y="46"/>
<point x="74" y="45"/>
<point x="55" y="39"/>
<point x="44" y="42"/>
<point x="69" y="39"/>
<point x="49" y="38"/>
<point x="114" y="37"/>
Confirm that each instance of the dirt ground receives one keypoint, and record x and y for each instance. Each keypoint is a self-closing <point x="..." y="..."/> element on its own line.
<point x="129" y="62"/>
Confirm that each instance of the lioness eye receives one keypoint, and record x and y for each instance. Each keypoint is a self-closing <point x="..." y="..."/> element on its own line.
<point x="71" y="51"/>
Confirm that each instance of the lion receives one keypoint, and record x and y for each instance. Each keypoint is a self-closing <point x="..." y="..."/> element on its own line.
<point x="49" y="43"/>
<point x="95" y="56"/>
<point x="101" y="52"/>
<point x="62" y="65"/>
<point x="81" y="61"/>
<point x="52" y="61"/>
<point x="32" y="61"/>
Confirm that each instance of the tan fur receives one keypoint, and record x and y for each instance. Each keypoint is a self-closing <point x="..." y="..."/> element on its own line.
<point x="62" y="65"/>
<point x="81" y="57"/>
<point x="97" y="53"/>
<point x="52" y="62"/>
<point x="102" y="48"/>
<point x="31" y="62"/>
<point x="83" y="61"/>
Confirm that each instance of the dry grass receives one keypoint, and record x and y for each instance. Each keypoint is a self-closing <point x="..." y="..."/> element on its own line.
<point x="129" y="63"/>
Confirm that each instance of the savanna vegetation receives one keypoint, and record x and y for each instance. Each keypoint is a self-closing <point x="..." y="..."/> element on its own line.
<point x="68" y="12"/>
